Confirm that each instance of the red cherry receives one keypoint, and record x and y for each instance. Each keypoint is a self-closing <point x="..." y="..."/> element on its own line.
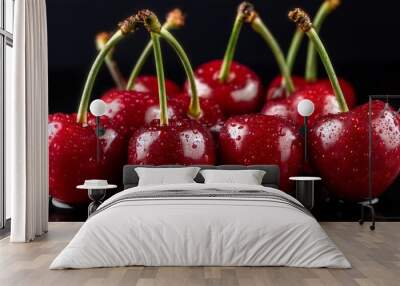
<point x="72" y="158"/>
<point x="73" y="143"/>
<point x="347" y="88"/>
<point x="176" y="141"/>
<point x="278" y="107"/>
<point x="339" y="150"/>
<point x="212" y="114"/>
<point x="261" y="139"/>
<point x="320" y="93"/>
<point x="129" y="110"/>
<point x="183" y="142"/>
<point x="235" y="87"/>
<point x="114" y="147"/>
<point x="71" y="163"/>
<point x="277" y="91"/>
<point x="240" y="94"/>
<point x="148" y="84"/>
<point x="211" y="117"/>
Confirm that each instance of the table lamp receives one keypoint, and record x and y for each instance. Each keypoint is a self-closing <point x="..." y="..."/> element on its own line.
<point x="98" y="108"/>
<point x="305" y="108"/>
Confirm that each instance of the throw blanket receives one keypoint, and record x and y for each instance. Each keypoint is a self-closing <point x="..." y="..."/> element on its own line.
<point x="205" y="194"/>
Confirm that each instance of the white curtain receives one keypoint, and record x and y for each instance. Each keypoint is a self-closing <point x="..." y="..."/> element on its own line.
<point x="26" y="123"/>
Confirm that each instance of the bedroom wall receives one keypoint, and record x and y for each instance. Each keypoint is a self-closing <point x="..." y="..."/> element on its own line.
<point x="358" y="36"/>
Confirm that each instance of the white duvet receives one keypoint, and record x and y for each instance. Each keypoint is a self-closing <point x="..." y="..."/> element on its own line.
<point x="200" y="231"/>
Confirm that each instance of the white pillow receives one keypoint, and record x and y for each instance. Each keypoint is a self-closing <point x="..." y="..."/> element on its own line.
<point x="165" y="176"/>
<point x="248" y="177"/>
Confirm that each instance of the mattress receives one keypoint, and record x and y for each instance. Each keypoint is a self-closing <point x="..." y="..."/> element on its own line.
<point x="201" y="225"/>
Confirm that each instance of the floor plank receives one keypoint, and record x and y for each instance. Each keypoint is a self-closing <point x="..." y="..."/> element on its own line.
<point x="375" y="257"/>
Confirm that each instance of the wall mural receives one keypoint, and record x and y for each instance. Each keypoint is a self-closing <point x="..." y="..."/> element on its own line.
<point x="223" y="115"/>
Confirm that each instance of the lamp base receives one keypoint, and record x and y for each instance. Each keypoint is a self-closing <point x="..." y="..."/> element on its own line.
<point x="369" y="204"/>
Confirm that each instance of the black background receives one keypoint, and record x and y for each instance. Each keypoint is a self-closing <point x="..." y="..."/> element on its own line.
<point x="361" y="37"/>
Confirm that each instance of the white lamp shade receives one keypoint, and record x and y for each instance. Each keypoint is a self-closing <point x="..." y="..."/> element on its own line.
<point x="98" y="107"/>
<point x="305" y="107"/>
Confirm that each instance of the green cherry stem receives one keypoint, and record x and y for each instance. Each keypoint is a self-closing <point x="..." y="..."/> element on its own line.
<point x="244" y="13"/>
<point x="139" y="65"/>
<point x="153" y="25"/>
<point x="230" y="49"/>
<point x="162" y="94"/>
<point x="294" y="49"/>
<point x="194" y="107"/>
<point x="258" y="26"/>
<point x="94" y="70"/>
<point x="303" y="21"/>
<point x="101" y="40"/>
<point x="125" y="28"/>
<point x="175" y="20"/>
<point x="311" y="70"/>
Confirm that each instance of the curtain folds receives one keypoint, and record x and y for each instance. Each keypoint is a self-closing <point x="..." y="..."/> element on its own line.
<point x="26" y="123"/>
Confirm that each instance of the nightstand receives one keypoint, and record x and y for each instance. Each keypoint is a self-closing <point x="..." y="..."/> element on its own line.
<point x="305" y="190"/>
<point x="96" y="193"/>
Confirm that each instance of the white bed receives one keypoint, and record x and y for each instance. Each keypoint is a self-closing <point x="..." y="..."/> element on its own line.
<point x="225" y="225"/>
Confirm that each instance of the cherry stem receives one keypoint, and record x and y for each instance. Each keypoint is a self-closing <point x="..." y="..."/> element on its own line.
<point x="313" y="35"/>
<point x="258" y="25"/>
<point x="329" y="69"/>
<point x="175" y="20"/>
<point x="141" y="61"/>
<point x="311" y="70"/>
<point x="162" y="94"/>
<point x="152" y="24"/>
<point x="303" y="21"/>
<point x="294" y="49"/>
<point x="126" y="27"/>
<point x="194" y="110"/>
<point x="139" y="65"/>
<point x="101" y="40"/>
<point x="230" y="49"/>
<point x="94" y="70"/>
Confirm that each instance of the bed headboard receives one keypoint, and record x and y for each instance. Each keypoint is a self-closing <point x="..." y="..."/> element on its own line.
<point x="271" y="177"/>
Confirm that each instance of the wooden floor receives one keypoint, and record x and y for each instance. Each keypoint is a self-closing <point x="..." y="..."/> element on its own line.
<point x="375" y="257"/>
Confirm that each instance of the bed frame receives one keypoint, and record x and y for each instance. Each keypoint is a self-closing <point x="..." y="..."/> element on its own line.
<point x="271" y="177"/>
